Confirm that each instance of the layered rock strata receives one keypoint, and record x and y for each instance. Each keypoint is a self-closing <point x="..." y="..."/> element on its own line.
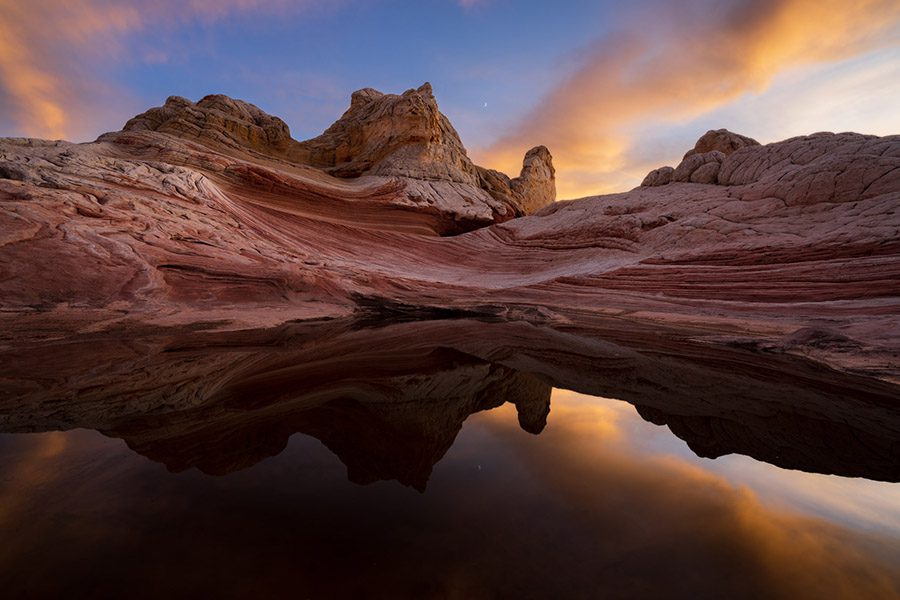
<point x="189" y="216"/>
<point x="403" y="139"/>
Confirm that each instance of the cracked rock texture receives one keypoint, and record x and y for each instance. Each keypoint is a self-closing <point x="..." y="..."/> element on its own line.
<point x="720" y="140"/>
<point x="210" y="212"/>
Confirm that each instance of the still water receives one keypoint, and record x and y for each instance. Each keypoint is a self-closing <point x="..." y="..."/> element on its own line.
<point x="441" y="459"/>
<point x="600" y="504"/>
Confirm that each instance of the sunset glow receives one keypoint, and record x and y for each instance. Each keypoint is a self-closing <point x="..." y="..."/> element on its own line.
<point x="613" y="93"/>
<point x="450" y="299"/>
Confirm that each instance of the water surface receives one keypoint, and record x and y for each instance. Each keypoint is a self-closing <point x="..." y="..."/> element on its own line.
<point x="420" y="461"/>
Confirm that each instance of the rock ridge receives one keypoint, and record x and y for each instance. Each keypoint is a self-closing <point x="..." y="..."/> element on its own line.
<point x="796" y="236"/>
<point x="382" y="135"/>
<point x="217" y="119"/>
<point x="822" y="167"/>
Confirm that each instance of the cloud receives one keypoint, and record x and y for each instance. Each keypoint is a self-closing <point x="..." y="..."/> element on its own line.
<point x="39" y="74"/>
<point x="859" y="94"/>
<point x="51" y="52"/>
<point x="672" y="63"/>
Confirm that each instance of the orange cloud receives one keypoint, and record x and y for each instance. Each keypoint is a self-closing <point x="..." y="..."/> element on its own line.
<point x="36" y="61"/>
<point x="673" y="66"/>
<point x="45" y="46"/>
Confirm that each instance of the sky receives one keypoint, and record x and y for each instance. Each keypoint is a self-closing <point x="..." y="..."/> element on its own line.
<point x="613" y="90"/>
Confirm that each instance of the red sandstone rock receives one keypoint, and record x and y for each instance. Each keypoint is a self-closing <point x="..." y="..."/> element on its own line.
<point x="169" y="222"/>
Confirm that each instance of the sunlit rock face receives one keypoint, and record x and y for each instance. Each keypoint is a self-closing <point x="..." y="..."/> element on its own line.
<point x="406" y="135"/>
<point x="535" y="187"/>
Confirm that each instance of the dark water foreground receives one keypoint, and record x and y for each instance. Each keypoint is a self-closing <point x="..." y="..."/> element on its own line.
<point x="442" y="459"/>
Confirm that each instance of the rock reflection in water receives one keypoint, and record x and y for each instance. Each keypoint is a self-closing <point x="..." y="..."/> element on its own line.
<point x="383" y="422"/>
<point x="390" y="400"/>
<point x="596" y="506"/>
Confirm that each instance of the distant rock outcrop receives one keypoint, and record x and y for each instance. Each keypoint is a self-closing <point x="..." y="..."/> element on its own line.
<point x="532" y="190"/>
<point x="660" y="176"/>
<point x="823" y="167"/>
<point x="389" y="134"/>
<point x="699" y="168"/>
<point x="720" y="140"/>
<point x="535" y="187"/>
<point x="219" y="121"/>
<point x="701" y="163"/>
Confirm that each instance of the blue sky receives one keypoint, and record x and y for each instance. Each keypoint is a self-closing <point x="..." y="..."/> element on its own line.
<point x="612" y="91"/>
<point x="303" y="68"/>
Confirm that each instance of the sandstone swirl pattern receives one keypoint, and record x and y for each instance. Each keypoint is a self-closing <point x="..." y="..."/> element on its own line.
<point x="211" y="212"/>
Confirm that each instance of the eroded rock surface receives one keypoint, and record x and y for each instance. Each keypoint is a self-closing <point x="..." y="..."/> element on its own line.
<point x="399" y="138"/>
<point x="720" y="140"/>
<point x="165" y="222"/>
<point x="660" y="176"/>
<point x="747" y="299"/>
<point x="699" y="168"/>
<point x="219" y="121"/>
<point x="389" y="134"/>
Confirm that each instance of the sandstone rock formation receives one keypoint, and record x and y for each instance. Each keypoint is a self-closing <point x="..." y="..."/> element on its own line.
<point x="701" y="164"/>
<point x="193" y="288"/>
<point x="168" y="223"/>
<point x="535" y="187"/>
<point x="387" y="134"/>
<point x="738" y="271"/>
<point x="660" y="176"/>
<point x="402" y="141"/>
<point x="699" y="168"/>
<point x="720" y="140"/>
<point x="218" y="121"/>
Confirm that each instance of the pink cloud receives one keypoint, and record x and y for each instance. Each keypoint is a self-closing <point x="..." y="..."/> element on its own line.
<point x="46" y="46"/>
